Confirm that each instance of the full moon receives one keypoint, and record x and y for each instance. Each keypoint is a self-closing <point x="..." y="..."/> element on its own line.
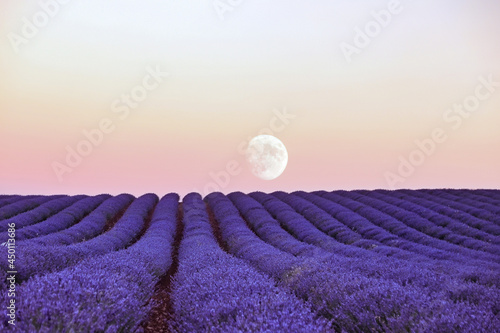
<point x="267" y="157"/>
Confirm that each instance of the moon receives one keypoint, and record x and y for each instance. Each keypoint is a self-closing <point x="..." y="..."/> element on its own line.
<point x="267" y="157"/>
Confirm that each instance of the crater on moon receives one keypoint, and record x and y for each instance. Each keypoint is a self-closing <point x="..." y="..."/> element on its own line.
<point x="267" y="157"/>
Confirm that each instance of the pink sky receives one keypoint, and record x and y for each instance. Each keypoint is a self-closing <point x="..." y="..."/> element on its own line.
<point x="349" y="122"/>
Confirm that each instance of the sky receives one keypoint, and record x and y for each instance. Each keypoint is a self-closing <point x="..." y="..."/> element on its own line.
<point x="163" y="96"/>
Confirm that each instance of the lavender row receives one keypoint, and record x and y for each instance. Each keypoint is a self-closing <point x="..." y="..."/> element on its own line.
<point x="24" y="205"/>
<point x="401" y="249"/>
<point x="482" y="200"/>
<point x="367" y="229"/>
<point x="478" y="208"/>
<point x="453" y="209"/>
<point x="436" y="218"/>
<point x="40" y="259"/>
<point x="320" y="213"/>
<point x="478" y="196"/>
<point x="404" y="272"/>
<point x="243" y="243"/>
<point x="494" y="194"/>
<point x="400" y="235"/>
<point x="213" y="291"/>
<point x="428" y="282"/>
<point x="280" y="206"/>
<point x="60" y="221"/>
<point x="262" y="223"/>
<point x="353" y="302"/>
<point x="7" y="200"/>
<point x="443" y="238"/>
<point x="108" y="293"/>
<point x="40" y="213"/>
<point x="73" y="228"/>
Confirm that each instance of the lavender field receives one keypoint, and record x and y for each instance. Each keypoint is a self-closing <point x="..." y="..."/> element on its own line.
<point x="342" y="261"/>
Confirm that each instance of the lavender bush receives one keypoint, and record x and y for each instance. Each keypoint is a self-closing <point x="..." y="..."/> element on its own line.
<point x="214" y="291"/>
<point x="338" y="261"/>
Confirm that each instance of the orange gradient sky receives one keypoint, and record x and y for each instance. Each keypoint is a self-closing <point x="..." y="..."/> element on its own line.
<point x="350" y="123"/>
